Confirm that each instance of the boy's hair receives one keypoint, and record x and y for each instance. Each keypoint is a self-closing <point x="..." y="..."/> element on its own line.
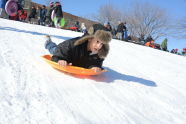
<point x="102" y="35"/>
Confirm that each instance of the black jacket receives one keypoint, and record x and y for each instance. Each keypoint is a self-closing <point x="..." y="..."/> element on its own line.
<point x="33" y="13"/>
<point x="121" y="27"/>
<point x="50" y="11"/>
<point x="76" y="54"/>
<point x="58" y="11"/>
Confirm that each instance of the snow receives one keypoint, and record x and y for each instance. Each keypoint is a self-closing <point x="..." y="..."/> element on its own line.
<point x="142" y="86"/>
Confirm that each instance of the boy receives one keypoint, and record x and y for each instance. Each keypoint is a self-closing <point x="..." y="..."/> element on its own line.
<point x="88" y="51"/>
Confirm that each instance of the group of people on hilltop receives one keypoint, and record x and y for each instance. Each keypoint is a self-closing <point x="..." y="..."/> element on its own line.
<point x="151" y="43"/>
<point x="44" y="16"/>
<point x="176" y="51"/>
<point x="121" y="32"/>
<point x="77" y="26"/>
<point x="163" y="46"/>
<point x="39" y="14"/>
<point x="82" y="27"/>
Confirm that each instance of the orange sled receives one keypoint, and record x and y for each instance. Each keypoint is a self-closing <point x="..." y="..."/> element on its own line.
<point x="71" y="69"/>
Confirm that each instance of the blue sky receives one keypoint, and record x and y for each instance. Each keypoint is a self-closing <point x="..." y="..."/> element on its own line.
<point x="175" y="8"/>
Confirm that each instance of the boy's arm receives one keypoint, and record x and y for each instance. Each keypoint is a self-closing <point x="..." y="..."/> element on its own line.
<point x="97" y="63"/>
<point x="62" y="52"/>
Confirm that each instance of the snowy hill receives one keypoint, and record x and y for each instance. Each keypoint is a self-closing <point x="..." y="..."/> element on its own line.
<point x="143" y="85"/>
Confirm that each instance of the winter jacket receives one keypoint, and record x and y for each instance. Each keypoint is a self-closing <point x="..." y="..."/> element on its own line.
<point x="184" y="50"/>
<point x="83" y="27"/>
<point x="164" y="44"/>
<point x="43" y="13"/>
<point x="33" y="13"/>
<point x="49" y="12"/>
<point x="121" y="28"/>
<point x="58" y="11"/>
<point x="22" y="14"/>
<point x="150" y="44"/>
<point x="76" y="54"/>
<point x="109" y="27"/>
<point x="2" y="4"/>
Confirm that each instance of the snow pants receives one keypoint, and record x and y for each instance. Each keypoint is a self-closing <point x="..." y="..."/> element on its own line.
<point x="50" y="46"/>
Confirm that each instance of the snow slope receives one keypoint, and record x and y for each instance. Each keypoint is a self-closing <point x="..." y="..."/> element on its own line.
<point x="143" y="85"/>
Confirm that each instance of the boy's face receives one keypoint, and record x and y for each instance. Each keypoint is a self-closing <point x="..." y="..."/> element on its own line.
<point x="94" y="45"/>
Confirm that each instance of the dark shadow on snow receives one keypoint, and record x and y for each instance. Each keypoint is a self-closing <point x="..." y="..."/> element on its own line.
<point x="32" y="32"/>
<point x="112" y="75"/>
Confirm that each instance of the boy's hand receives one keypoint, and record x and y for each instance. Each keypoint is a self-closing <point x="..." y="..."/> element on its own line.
<point x="96" y="69"/>
<point x="63" y="63"/>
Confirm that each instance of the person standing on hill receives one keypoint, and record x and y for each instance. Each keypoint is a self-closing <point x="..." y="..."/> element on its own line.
<point x="83" y="28"/>
<point x="120" y="31"/>
<point x="164" y="45"/>
<point x="125" y="34"/>
<point x="33" y="14"/>
<point x="2" y="8"/>
<point x="184" y="52"/>
<point x="49" y="13"/>
<point x="38" y="11"/>
<point x="77" y="25"/>
<point x="59" y="14"/>
<point x="43" y="13"/>
<point x="108" y="26"/>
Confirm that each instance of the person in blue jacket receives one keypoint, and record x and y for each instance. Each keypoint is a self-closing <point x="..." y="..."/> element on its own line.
<point x="2" y="8"/>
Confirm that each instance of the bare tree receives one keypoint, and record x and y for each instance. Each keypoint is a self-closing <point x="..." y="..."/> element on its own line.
<point x="180" y="28"/>
<point x="47" y="2"/>
<point x="108" y="13"/>
<point x="145" y="19"/>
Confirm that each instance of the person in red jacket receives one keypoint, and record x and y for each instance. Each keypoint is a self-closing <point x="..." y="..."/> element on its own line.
<point x="22" y="14"/>
<point x="184" y="50"/>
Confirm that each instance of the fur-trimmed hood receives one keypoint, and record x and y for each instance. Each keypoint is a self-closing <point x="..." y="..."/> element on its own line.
<point x="102" y="35"/>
